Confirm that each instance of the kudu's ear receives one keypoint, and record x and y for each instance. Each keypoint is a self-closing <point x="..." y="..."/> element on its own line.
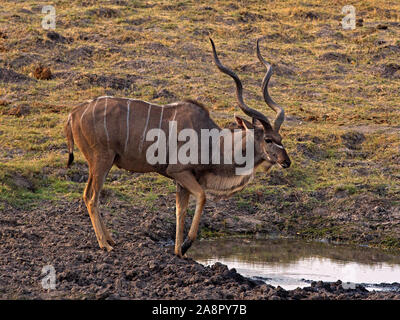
<point x="257" y="123"/>
<point x="243" y="123"/>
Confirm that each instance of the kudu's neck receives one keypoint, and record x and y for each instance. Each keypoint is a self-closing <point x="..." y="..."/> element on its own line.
<point x="245" y="152"/>
<point x="227" y="179"/>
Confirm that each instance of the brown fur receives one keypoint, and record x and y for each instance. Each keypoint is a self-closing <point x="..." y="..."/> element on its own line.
<point x="197" y="103"/>
<point x="99" y="129"/>
<point x="111" y="131"/>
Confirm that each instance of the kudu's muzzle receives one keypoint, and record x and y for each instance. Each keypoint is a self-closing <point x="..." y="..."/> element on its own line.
<point x="286" y="164"/>
<point x="284" y="160"/>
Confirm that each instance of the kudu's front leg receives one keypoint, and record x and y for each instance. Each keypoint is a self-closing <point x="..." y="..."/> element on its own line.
<point x="182" y="200"/>
<point x="189" y="182"/>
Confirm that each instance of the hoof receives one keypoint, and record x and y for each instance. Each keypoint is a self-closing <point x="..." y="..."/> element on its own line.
<point x="181" y="256"/>
<point x="111" y="241"/>
<point x="186" y="245"/>
<point x="106" y="246"/>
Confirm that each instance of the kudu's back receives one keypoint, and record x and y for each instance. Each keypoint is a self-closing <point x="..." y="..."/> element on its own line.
<point x="119" y="125"/>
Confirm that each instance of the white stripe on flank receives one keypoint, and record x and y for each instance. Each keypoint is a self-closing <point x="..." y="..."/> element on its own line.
<point x="105" y="122"/>
<point x="85" y="112"/>
<point x="173" y="122"/>
<point x="174" y="114"/>
<point x="94" y="107"/>
<point x="145" y="129"/>
<point x="159" y="127"/>
<point x="127" y="125"/>
<point x="162" y="111"/>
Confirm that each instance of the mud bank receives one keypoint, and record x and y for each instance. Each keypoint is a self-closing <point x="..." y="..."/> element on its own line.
<point x="139" y="267"/>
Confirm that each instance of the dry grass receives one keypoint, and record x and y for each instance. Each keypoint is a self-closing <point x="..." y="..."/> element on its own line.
<point x="330" y="81"/>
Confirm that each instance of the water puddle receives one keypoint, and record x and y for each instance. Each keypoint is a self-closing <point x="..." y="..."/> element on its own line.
<point x="293" y="263"/>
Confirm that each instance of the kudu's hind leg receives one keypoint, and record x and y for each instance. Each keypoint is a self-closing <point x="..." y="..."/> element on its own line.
<point x="182" y="200"/>
<point x="98" y="170"/>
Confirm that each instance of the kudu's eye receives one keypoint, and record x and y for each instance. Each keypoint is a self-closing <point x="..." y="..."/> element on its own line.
<point x="268" y="140"/>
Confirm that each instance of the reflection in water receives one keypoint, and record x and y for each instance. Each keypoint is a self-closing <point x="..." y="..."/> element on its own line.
<point x="294" y="263"/>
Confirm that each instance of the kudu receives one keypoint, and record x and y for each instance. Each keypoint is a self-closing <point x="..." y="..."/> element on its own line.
<point x="111" y="131"/>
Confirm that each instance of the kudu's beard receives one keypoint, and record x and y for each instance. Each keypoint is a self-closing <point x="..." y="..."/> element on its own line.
<point x="266" y="165"/>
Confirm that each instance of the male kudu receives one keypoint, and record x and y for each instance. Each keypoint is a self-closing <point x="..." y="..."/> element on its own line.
<point x="111" y="131"/>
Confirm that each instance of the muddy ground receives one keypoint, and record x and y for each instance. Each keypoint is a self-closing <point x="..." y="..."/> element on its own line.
<point x="340" y="92"/>
<point x="139" y="267"/>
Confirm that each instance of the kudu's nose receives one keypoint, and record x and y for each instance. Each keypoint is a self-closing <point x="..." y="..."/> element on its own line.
<point x="286" y="164"/>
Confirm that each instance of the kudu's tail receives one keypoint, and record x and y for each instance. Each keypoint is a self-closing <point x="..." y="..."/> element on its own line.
<point x="70" y="141"/>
